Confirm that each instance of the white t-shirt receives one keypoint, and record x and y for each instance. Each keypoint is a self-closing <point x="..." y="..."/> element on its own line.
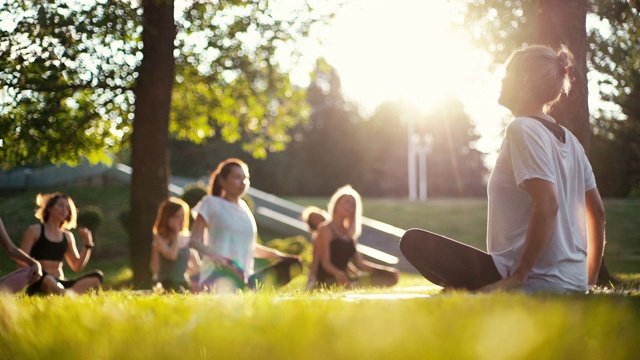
<point x="529" y="151"/>
<point x="231" y="232"/>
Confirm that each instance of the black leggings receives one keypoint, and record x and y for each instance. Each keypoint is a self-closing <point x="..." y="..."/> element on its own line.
<point x="36" y="287"/>
<point x="447" y="262"/>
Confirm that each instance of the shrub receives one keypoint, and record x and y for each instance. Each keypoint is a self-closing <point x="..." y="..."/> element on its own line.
<point x="193" y="193"/>
<point x="90" y="217"/>
<point x="124" y="218"/>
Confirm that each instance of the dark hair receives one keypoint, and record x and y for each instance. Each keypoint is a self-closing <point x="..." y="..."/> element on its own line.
<point x="47" y="201"/>
<point x="223" y="170"/>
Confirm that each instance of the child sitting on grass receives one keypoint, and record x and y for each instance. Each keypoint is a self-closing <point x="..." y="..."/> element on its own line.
<point x="171" y="257"/>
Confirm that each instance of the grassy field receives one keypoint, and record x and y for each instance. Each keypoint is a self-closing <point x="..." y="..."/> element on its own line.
<point x="409" y="321"/>
<point x="325" y="325"/>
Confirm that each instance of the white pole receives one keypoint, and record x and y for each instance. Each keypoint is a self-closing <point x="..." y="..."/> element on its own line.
<point x="422" y="162"/>
<point x="426" y="142"/>
<point x="411" y="158"/>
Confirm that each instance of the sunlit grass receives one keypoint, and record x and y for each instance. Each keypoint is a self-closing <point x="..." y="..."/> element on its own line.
<point x="330" y="324"/>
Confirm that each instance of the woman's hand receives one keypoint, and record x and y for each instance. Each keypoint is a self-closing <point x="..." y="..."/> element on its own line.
<point x="514" y="281"/>
<point x="342" y="279"/>
<point x="87" y="237"/>
<point x="216" y="258"/>
<point x="36" y="272"/>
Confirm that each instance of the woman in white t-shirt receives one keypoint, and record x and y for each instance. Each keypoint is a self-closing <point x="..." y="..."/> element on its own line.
<point x="228" y="246"/>
<point x="545" y="227"/>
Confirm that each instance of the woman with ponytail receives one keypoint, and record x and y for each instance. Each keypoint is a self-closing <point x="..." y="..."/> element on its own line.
<point x="545" y="226"/>
<point x="225" y="235"/>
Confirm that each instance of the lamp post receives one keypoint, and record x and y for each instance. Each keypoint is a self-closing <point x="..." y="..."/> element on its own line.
<point x="411" y="158"/>
<point x="424" y="145"/>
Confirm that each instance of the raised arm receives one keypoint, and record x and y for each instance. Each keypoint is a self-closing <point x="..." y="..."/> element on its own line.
<point x="165" y="248"/>
<point x="596" y="234"/>
<point x="77" y="261"/>
<point x="264" y="252"/>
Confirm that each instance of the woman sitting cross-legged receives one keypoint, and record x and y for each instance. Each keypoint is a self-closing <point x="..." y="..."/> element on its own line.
<point x="50" y="242"/>
<point x="336" y="246"/>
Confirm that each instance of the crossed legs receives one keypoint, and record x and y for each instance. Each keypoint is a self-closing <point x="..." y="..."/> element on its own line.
<point x="446" y="262"/>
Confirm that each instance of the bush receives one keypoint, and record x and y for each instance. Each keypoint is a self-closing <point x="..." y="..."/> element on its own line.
<point x="193" y="193"/>
<point x="295" y="245"/>
<point x="124" y="218"/>
<point x="90" y="217"/>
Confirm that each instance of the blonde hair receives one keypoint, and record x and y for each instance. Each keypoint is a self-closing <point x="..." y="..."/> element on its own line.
<point x="547" y="71"/>
<point x="47" y="201"/>
<point x="167" y="209"/>
<point x="355" y="222"/>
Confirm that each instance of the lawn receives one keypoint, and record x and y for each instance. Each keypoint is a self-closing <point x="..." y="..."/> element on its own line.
<point x="321" y="325"/>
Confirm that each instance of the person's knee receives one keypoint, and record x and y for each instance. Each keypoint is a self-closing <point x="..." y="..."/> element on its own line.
<point x="50" y="285"/>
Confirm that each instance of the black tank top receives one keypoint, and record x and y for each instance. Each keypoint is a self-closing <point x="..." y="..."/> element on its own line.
<point x="45" y="249"/>
<point x="341" y="252"/>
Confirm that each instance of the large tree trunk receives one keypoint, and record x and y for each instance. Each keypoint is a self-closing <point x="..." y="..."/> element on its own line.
<point x="564" y="22"/>
<point x="150" y="137"/>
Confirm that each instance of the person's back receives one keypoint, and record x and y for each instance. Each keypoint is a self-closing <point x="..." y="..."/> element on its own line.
<point x="561" y="265"/>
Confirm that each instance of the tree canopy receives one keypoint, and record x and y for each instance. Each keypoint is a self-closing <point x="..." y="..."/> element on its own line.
<point x="66" y="75"/>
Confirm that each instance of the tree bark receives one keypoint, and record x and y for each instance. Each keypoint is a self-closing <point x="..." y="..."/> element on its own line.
<point x="564" y="23"/>
<point x="150" y="137"/>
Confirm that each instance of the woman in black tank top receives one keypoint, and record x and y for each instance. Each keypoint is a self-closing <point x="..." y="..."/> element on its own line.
<point x="50" y="242"/>
<point x="336" y="246"/>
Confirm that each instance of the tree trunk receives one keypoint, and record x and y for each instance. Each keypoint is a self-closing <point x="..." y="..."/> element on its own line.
<point x="564" y="22"/>
<point x="150" y="137"/>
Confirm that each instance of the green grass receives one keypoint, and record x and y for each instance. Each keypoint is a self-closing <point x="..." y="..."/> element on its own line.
<point x="321" y="325"/>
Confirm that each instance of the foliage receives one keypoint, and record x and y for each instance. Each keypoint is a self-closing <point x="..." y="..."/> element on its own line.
<point x="270" y="325"/>
<point x="338" y="146"/>
<point x="66" y="76"/>
<point x="499" y="26"/>
<point x="228" y="85"/>
<point x="295" y="245"/>
<point x="68" y="69"/>
<point x="193" y="193"/>
<point x="615" y="56"/>
<point x="90" y="217"/>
